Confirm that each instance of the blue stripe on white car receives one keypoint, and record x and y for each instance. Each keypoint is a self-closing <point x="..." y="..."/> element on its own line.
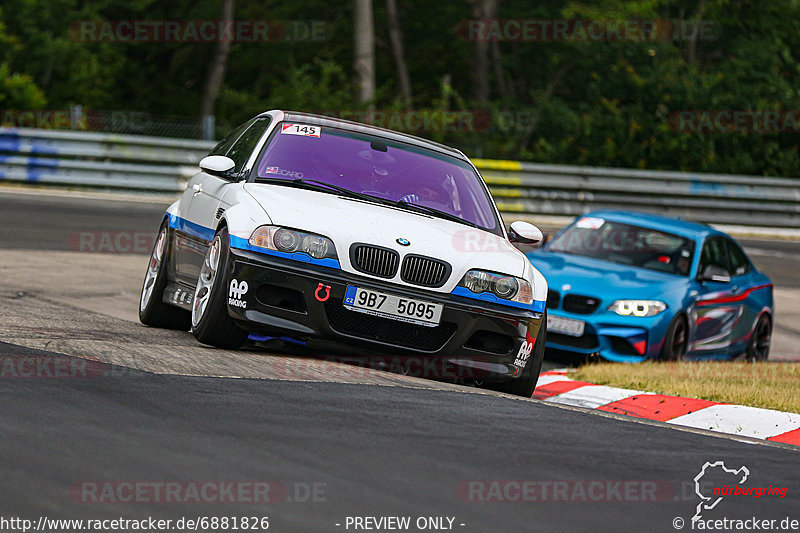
<point x="239" y="243"/>
<point x="537" y="306"/>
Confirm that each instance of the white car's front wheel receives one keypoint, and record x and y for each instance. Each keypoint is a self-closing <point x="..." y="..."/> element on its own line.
<point x="211" y="323"/>
<point x="152" y="309"/>
<point x="526" y="383"/>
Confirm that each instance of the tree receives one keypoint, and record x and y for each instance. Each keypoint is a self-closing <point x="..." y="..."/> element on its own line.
<point x="396" y="39"/>
<point x="605" y="101"/>
<point x="216" y="75"/>
<point x="17" y="91"/>
<point x="485" y="11"/>
<point x="364" y="64"/>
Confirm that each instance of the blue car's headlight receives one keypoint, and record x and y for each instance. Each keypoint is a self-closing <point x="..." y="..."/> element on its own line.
<point x="637" y="307"/>
<point x="289" y="241"/>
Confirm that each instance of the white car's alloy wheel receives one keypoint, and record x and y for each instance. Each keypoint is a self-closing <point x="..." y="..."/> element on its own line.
<point x="208" y="273"/>
<point x="152" y="269"/>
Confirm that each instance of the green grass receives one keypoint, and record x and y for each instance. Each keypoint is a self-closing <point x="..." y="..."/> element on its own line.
<point x="767" y="385"/>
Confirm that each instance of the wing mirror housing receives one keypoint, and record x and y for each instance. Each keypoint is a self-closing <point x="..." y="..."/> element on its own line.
<point x="217" y="165"/>
<point x="715" y="273"/>
<point x="524" y="233"/>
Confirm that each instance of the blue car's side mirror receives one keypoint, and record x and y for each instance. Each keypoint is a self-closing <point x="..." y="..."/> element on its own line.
<point x="715" y="273"/>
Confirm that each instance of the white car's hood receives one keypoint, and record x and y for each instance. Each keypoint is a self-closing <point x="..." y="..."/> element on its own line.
<point x="347" y="221"/>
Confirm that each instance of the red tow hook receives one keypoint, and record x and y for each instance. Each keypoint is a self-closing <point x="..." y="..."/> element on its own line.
<point x="327" y="292"/>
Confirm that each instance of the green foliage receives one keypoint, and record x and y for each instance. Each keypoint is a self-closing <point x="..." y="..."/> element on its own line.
<point x="590" y="102"/>
<point x="18" y="92"/>
<point x="319" y="85"/>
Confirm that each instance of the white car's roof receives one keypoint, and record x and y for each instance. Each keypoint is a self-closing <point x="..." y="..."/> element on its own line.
<point x="334" y="122"/>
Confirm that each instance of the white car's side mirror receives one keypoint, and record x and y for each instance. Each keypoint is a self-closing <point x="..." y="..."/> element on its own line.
<point x="524" y="233"/>
<point x="217" y="165"/>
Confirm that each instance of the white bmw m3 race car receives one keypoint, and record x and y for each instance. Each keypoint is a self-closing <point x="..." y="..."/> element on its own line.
<point x="349" y="238"/>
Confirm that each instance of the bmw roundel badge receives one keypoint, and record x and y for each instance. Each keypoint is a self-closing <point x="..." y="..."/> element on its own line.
<point x="403" y="242"/>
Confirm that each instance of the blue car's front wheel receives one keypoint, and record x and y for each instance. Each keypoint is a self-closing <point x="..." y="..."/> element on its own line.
<point x="676" y="340"/>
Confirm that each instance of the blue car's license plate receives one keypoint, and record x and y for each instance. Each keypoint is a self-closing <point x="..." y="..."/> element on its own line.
<point x="565" y="326"/>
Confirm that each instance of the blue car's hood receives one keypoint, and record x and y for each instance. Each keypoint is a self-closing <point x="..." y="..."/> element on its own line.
<point x="603" y="279"/>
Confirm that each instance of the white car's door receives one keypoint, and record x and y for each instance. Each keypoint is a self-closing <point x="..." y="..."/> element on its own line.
<point x="201" y="203"/>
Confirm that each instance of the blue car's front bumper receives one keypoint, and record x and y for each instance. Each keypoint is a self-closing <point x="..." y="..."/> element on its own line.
<point x="610" y="336"/>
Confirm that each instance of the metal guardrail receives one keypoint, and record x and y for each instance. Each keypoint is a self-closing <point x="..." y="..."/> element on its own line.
<point x="99" y="159"/>
<point x="161" y="164"/>
<point x="529" y="188"/>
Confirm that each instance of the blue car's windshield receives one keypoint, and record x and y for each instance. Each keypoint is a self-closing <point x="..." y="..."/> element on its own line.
<point x="626" y="244"/>
<point x="378" y="167"/>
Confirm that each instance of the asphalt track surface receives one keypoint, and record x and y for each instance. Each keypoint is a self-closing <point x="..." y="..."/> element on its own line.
<point x="383" y="446"/>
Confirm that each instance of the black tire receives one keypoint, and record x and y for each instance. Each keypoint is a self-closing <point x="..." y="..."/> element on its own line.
<point x="526" y="383"/>
<point x="676" y="340"/>
<point x="760" y="338"/>
<point x="152" y="309"/>
<point x="214" y="326"/>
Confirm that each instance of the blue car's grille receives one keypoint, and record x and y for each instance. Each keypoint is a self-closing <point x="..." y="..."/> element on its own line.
<point x="553" y="299"/>
<point x="587" y="341"/>
<point x="580" y="304"/>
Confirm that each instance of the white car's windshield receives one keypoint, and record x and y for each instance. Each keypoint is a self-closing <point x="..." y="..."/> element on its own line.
<point x="377" y="167"/>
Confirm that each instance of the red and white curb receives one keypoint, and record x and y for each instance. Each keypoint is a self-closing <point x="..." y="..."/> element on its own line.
<point x="554" y="386"/>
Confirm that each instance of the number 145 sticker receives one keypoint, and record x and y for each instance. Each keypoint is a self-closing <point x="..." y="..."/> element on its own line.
<point x="300" y="129"/>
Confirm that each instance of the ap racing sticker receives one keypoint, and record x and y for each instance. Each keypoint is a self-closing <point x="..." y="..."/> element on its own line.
<point x="525" y="350"/>
<point x="300" y="129"/>
<point x="237" y="290"/>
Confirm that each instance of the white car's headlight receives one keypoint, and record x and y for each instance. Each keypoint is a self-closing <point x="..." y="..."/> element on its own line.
<point x="637" y="307"/>
<point x="505" y="287"/>
<point x="290" y="241"/>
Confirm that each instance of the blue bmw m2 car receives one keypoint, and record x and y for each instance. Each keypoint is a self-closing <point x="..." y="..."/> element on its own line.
<point x="630" y="286"/>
